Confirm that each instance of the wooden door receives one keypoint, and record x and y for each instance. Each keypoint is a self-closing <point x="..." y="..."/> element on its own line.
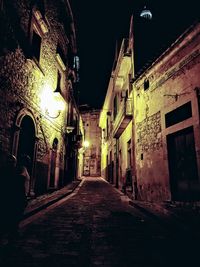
<point x="183" y="165"/>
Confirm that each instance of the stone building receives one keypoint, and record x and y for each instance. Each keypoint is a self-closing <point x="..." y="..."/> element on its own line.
<point x="92" y="136"/>
<point x="161" y="137"/>
<point x="166" y="121"/>
<point x="116" y="120"/>
<point x="39" y="66"/>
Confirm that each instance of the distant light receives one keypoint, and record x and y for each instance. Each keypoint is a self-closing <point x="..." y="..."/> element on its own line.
<point x="86" y="144"/>
<point x="76" y="64"/>
<point x="146" y="13"/>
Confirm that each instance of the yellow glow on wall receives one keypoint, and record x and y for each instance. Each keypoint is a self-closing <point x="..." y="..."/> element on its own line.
<point x="46" y="97"/>
<point x="86" y="143"/>
<point x="59" y="102"/>
<point x="51" y="103"/>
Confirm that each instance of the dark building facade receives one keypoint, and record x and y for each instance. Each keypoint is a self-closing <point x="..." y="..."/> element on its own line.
<point x="38" y="58"/>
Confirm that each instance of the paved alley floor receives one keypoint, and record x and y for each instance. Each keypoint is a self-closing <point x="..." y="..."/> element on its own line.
<point x="95" y="226"/>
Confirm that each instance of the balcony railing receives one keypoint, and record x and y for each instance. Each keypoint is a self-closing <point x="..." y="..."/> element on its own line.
<point x="123" y="117"/>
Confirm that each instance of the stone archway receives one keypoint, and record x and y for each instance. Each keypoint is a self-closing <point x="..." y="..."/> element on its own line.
<point x="24" y="141"/>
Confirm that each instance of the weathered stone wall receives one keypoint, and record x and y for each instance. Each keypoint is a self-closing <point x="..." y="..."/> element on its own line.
<point x="22" y="82"/>
<point x="172" y="80"/>
<point x="149" y="134"/>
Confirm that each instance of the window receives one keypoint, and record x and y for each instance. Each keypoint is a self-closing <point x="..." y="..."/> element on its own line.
<point x="179" y="114"/>
<point x="129" y="154"/>
<point x="36" y="44"/>
<point x="115" y="107"/>
<point x="38" y="29"/>
<point x="130" y="81"/>
<point x="124" y="94"/>
<point x="58" y="88"/>
<point x="146" y="84"/>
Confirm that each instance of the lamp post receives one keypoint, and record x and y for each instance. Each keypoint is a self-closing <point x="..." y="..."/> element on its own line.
<point x="146" y="15"/>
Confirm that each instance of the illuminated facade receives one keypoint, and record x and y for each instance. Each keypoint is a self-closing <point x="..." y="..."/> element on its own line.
<point x="163" y="134"/>
<point x="92" y="143"/>
<point x="38" y="58"/>
<point x="116" y="120"/>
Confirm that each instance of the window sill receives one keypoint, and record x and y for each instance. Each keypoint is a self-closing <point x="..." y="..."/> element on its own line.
<point x="60" y="62"/>
<point x="35" y="62"/>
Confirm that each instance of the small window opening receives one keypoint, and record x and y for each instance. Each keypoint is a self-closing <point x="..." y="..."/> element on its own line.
<point x="146" y="84"/>
<point x="36" y="44"/>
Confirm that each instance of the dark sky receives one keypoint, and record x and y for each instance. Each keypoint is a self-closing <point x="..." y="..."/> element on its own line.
<point x="99" y="23"/>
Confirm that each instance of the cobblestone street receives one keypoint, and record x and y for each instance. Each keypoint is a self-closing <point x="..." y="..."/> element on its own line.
<point x="96" y="226"/>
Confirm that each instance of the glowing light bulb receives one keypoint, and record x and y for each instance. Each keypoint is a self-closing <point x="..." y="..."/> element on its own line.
<point x="86" y="143"/>
<point x="146" y="13"/>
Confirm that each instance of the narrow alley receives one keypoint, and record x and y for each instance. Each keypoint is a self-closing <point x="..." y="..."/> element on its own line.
<point x="99" y="133"/>
<point x="96" y="226"/>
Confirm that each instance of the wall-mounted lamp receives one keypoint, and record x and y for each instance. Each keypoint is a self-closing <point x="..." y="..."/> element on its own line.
<point x="69" y="129"/>
<point x="52" y="103"/>
<point x="176" y="96"/>
<point x="146" y="13"/>
<point x="52" y="116"/>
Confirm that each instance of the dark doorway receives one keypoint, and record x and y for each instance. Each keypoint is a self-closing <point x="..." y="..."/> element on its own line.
<point x="26" y="142"/>
<point x="110" y="169"/>
<point x="120" y="168"/>
<point x="70" y="159"/>
<point x="107" y="169"/>
<point x="53" y="163"/>
<point x="116" y="163"/>
<point x="183" y="165"/>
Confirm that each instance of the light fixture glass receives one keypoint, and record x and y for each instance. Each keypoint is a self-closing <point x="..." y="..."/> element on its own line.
<point x="146" y="13"/>
<point x="52" y="103"/>
<point x="86" y="143"/>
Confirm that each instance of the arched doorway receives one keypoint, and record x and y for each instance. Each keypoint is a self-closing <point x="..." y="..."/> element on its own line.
<point x="70" y="159"/>
<point x="26" y="137"/>
<point x="26" y="141"/>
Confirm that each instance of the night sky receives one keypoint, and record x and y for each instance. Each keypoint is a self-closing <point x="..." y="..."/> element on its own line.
<point x="100" y="23"/>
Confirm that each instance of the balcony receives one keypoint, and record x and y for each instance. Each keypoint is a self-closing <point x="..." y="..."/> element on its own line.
<point x="123" y="117"/>
<point x="123" y="65"/>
